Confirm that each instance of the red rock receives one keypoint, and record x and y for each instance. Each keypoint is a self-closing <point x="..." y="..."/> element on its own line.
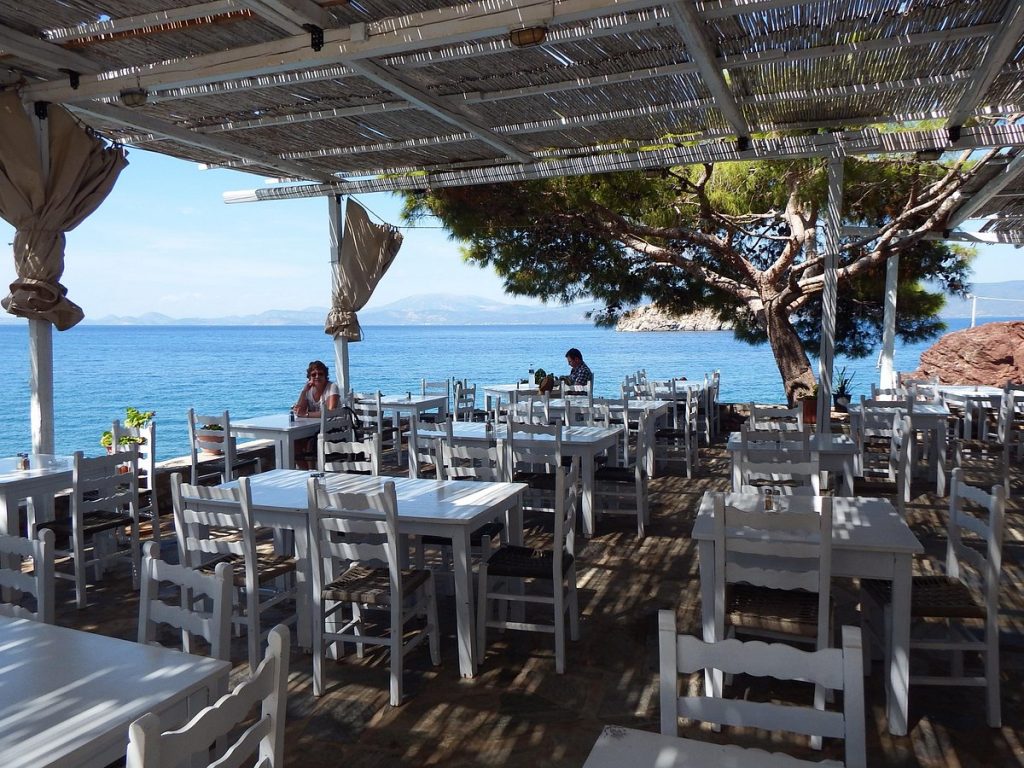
<point x="988" y="354"/>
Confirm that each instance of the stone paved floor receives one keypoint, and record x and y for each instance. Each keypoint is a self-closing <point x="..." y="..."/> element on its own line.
<point x="518" y="712"/>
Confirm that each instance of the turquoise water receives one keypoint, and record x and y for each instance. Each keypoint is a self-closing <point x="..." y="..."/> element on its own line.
<point x="258" y="370"/>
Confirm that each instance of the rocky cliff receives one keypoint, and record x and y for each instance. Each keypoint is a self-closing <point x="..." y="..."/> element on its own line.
<point x="988" y="354"/>
<point x="650" y="318"/>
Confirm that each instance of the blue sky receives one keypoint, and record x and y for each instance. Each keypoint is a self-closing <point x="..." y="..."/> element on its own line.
<point x="164" y="241"/>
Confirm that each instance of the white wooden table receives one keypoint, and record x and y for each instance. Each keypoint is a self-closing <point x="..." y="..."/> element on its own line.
<point x="67" y="697"/>
<point x="279" y="428"/>
<point x="585" y="442"/>
<point x="414" y="405"/>
<point x="46" y="476"/>
<point x="976" y="400"/>
<point x="869" y="540"/>
<point x="619" y="747"/>
<point x="836" y="453"/>
<point x="924" y="417"/>
<point x="452" y="509"/>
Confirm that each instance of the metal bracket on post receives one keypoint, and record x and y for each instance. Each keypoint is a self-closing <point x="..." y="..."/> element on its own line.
<point x="316" y="36"/>
<point x="954" y="133"/>
<point x="74" y="78"/>
<point x="40" y="108"/>
<point x="742" y="143"/>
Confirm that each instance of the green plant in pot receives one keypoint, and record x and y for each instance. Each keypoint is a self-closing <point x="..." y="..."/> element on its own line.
<point x="211" y="443"/>
<point x="841" y="394"/>
<point x="133" y="419"/>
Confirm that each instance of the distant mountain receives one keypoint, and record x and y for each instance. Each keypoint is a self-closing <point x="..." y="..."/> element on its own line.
<point x="423" y="309"/>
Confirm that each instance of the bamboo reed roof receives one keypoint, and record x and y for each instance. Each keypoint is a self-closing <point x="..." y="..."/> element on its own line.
<point x="351" y="95"/>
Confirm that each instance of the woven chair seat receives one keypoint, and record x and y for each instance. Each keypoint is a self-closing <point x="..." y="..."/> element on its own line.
<point x="542" y="481"/>
<point x="492" y="529"/>
<point x="268" y="567"/>
<point x="668" y="433"/>
<point x="932" y="597"/>
<point x="372" y="586"/>
<point x="92" y="522"/>
<point x="525" y="562"/>
<point x="625" y="475"/>
<point x="772" y="610"/>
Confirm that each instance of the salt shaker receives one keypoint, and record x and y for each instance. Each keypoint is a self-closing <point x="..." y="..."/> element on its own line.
<point x="23" y="461"/>
<point x="291" y="415"/>
<point x="768" y="501"/>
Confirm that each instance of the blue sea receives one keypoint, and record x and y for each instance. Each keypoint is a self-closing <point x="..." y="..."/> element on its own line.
<point x="251" y="371"/>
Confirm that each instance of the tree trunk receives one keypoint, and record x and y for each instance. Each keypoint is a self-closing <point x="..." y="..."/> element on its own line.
<point x="794" y="366"/>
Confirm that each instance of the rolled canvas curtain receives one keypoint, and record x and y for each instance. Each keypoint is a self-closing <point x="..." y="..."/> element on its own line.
<point x="44" y="203"/>
<point x="367" y="250"/>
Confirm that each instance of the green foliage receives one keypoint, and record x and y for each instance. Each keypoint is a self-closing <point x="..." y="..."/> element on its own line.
<point x="133" y="418"/>
<point x="842" y="383"/>
<point x="633" y="237"/>
<point x="539" y="375"/>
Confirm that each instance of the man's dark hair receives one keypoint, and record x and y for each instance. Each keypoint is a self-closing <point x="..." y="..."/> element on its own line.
<point x="573" y="352"/>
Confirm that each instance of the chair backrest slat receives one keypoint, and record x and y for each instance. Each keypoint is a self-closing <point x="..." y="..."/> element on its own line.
<point x="39" y="584"/>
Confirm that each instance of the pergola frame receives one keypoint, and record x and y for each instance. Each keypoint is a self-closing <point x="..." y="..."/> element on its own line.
<point x="346" y="98"/>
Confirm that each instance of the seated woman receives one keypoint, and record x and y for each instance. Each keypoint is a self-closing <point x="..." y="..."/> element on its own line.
<point x="319" y="391"/>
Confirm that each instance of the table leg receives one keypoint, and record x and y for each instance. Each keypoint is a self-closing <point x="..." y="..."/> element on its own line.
<point x="848" y="472"/>
<point x="284" y="454"/>
<point x="9" y="521"/>
<point x="940" y="461"/>
<point x="304" y="588"/>
<point x="414" y="463"/>
<point x="464" y="601"/>
<point x="706" y="562"/>
<point x="588" y="494"/>
<point x="898" y="684"/>
<point x="735" y="468"/>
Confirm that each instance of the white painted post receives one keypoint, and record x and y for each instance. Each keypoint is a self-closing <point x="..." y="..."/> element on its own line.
<point x="340" y="344"/>
<point x="40" y="337"/>
<point x="886" y="376"/>
<point x="828" y="295"/>
<point x="974" y="309"/>
<point x="40" y="355"/>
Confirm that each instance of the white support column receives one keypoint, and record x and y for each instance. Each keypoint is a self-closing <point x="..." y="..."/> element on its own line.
<point x="40" y="357"/>
<point x="828" y="295"/>
<point x="886" y="376"/>
<point x="340" y="345"/>
<point x="40" y="337"/>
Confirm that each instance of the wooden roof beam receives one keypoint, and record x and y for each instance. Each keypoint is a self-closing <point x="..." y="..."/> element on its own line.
<point x="220" y="145"/>
<point x="293" y="16"/>
<point x="1004" y="41"/>
<point x="164" y="18"/>
<point x="443" y="26"/>
<point x="977" y="201"/>
<point x="44" y="54"/>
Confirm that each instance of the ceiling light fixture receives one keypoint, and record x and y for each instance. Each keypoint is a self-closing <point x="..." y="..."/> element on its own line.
<point x="134" y="97"/>
<point x="524" y="37"/>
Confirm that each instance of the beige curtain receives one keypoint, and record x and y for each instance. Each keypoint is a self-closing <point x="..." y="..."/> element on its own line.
<point x="367" y="250"/>
<point x="42" y="204"/>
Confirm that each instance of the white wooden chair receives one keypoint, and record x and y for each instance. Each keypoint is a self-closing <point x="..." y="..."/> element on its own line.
<point x="355" y="456"/>
<point x="39" y="584"/>
<point x="436" y="389"/>
<point x="534" y="452"/>
<point x="209" y="437"/>
<point x="149" y="508"/>
<point x="464" y="404"/>
<point x="342" y="536"/>
<point x="215" y="524"/>
<point x="338" y="423"/>
<point x="708" y="415"/>
<point x="678" y="444"/>
<point x="775" y="417"/>
<point x="996" y="448"/>
<point x="889" y="462"/>
<point x="773" y="573"/>
<point x="104" y="504"/>
<point x="767" y="443"/>
<point x="828" y="668"/>
<point x="374" y="421"/>
<point x="554" y="569"/>
<point x="212" y="622"/>
<point x="425" y="459"/>
<point x="947" y="611"/>
<point x="623" y="489"/>
<point x="226" y="723"/>
<point x="780" y="475"/>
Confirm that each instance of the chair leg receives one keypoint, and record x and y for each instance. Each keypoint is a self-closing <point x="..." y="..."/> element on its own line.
<point x="992" y="688"/>
<point x="78" y="553"/>
<point x="397" y="648"/>
<point x="252" y="626"/>
<point x="318" y="648"/>
<point x="574" y="606"/>
<point x="481" y="614"/>
<point x="559" y="600"/>
<point x="433" y="632"/>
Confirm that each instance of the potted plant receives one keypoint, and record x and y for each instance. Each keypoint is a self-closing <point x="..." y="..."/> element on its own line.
<point x="810" y="406"/>
<point x="210" y="442"/>
<point x="133" y="419"/>
<point x="841" y="394"/>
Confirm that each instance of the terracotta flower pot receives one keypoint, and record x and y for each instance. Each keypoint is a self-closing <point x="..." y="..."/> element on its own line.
<point x="810" y="405"/>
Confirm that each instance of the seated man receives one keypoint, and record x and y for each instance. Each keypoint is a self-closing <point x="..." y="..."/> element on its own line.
<point x="580" y="372"/>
